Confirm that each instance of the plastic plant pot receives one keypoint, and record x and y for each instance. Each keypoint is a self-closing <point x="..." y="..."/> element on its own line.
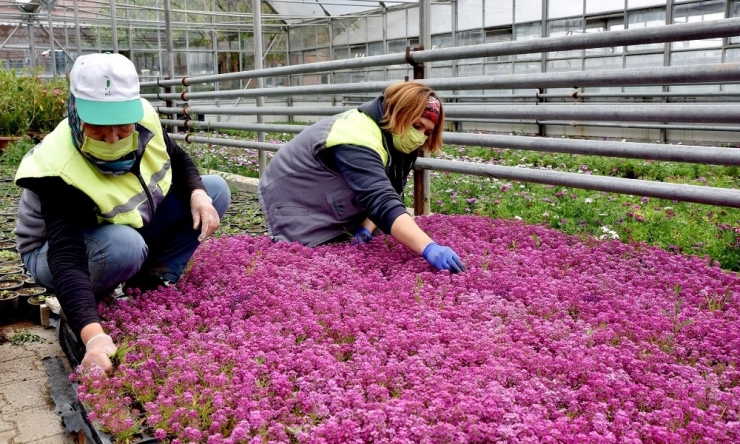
<point x="8" y="305"/>
<point x="34" y="307"/>
<point x="26" y="293"/>
<point x="11" y="285"/>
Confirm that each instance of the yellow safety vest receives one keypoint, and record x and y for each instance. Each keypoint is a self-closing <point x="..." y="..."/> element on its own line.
<point x="119" y="199"/>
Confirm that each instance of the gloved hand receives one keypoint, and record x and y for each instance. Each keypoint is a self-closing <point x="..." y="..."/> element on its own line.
<point x="205" y="216"/>
<point x="442" y="258"/>
<point x="362" y="236"/>
<point x="98" y="351"/>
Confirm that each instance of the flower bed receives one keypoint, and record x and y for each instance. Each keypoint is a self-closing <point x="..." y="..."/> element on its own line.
<point x="546" y="338"/>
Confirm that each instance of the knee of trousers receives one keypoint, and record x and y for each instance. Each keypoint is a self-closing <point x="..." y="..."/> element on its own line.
<point x="219" y="191"/>
<point x="122" y="245"/>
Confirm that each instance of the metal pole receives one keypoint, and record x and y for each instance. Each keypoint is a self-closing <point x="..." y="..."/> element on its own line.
<point x="170" y="53"/>
<point x="78" y="36"/>
<point x="422" y="186"/>
<point x="113" y="26"/>
<point x="257" y="13"/>
<point x="52" y="54"/>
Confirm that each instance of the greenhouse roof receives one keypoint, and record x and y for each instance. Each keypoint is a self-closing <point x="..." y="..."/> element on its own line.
<point x="296" y="11"/>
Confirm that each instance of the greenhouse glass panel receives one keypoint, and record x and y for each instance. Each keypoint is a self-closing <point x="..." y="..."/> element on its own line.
<point x="376" y="76"/>
<point x="148" y="64"/>
<point x="496" y="36"/>
<point x="322" y="55"/>
<point x="528" y="31"/>
<point x="341" y="53"/>
<point x="357" y="31"/>
<point x="340" y="32"/>
<point x="181" y="64"/>
<point x="564" y="65"/>
<point x="648" y="18"/>
<point x="605" y="24"/>
<point x="564" y="8"/>
<point x="397" y="24"/>
<point x="599" y="63"/>
<point x="357" y="51"/>
<point x="732" y="56"/>
<point x="201" y="63"/>
<point x="228" y="40"/>
<point x="698" y="12"/>
<point x="179" y="40"/>
<point x="295" y="58"/>
<point x="470" y="70"/>
<point x="467" y="38"/>
<point x="375" y="28"/>
<point x="375" y="48"/>
<point x="442" y="41"/>
<point x="412" y="22"/>
<point x="498" y="69"/>
<point x="703" y="57"/>
<point x="527" y="67"/>
<point x="643" y="61"/>
<point x="441" y="73"/>
<point x="528" y="10"/>
<point x="441" y="18"/>
<point x="396" y="74"/>
<point x="469" y="13"/>
<point x="499" y="12"/>
<point x="199" y="40"/>
<point x="296" y="37"/>
<point x="601" y="6"/>
<point x="634" y="4"/>
<point x="559" y="28"/>
<point x="145" y="38"/>
<point x="89" y="37"/>
<point x="396" y="46"/>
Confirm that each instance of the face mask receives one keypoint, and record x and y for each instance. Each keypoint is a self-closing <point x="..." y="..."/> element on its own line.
<point x="102" y="150"/>
<point x="409" y="141"/>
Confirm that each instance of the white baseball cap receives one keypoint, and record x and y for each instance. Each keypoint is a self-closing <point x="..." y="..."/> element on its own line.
<point x="106" y="89"/>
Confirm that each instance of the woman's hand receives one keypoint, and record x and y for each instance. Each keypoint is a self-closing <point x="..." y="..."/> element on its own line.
<point x="205" y="216"/>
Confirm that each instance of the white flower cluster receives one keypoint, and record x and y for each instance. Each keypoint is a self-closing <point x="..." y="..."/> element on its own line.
<point x="608" y="233"/>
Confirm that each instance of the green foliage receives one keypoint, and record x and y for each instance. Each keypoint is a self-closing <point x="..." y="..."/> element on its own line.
<point x="681" y="227"/>
<point x="29" y="103"/>
<point x="24" y="337"/>
<point x="15" y="112"/>
<point x="13" y="154"/>
<point x="49" y="103"/>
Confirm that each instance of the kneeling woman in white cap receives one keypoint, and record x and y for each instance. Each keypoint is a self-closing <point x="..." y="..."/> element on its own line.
<point x="110" y="198"/>
<point x="344" y="175"/>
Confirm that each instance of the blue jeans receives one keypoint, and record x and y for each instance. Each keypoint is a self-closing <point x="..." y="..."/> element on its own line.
<point x="115" y="253"/>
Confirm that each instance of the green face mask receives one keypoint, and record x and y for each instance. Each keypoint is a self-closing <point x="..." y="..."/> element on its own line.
<point x="111" y="151"/>
<point x="409" y="141"/>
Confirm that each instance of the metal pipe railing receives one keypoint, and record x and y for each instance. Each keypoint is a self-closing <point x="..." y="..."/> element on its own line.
<point x="678" y="32"/>
<point x="688" y="193"/>
<point x="614" y="112"/>
<point x="676" y="75"/>
<point x="632" y="150"/>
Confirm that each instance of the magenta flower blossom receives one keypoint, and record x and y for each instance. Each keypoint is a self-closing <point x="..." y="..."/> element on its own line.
<point x="545" y="338"/>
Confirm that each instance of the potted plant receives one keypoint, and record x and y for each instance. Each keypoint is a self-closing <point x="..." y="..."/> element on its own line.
<point x="10" y="269"/>
<point x="34" y="306"/>
<point x="8" y="304"/>
<point x="24" y="295"/>
<point x="15" y="277"/>
<point x="49" y="103"/>
<point x="11" y="285"/>
<point x="8" y="255"/>
<point x="15" y="115"/>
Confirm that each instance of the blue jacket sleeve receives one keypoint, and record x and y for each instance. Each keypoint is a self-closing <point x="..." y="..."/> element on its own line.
<point x="365" y="175"/>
